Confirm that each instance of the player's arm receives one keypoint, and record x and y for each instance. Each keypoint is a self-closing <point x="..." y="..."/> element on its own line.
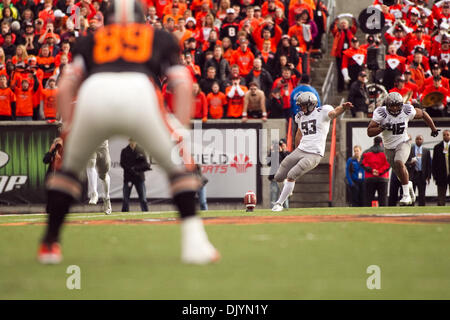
<point x="339" y="110"/>
<point x="181" y="82"/>
<point x="374" y="129"/>
<point x="178" y="76"/>
<point x="70" y="81"/>
<point x="422" y="114"/>
<point x="298" y="137"/>
<point x="244" y="110"/>
<point x="263" y="106"/>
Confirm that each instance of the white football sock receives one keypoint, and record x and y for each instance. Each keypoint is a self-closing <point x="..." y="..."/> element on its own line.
<point x="405" y="188"/>
<point x="92" y="180"/>
<point x="106" y="183"/>
<point x="287" y="190"/>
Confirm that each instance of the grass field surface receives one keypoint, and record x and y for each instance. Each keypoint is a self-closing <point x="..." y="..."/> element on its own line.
<point x="133" y="256"/>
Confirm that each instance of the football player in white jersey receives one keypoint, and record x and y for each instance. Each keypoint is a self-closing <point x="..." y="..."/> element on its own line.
<point x="98" y="166"/>
<point x="310" y="140"/>
<point x="391" y="121"/>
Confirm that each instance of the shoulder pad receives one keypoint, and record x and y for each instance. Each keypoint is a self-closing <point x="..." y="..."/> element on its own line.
<point x="407" y="108"/>
<point x="381" y="112"/>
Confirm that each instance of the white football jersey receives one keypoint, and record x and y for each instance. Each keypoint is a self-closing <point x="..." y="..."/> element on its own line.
<point x="398" y="134"/>
<point x="314" y="128"/>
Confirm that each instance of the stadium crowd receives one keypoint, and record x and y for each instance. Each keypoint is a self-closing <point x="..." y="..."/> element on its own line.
<point x="414" y="49"/>
<point x="235" y="50"/>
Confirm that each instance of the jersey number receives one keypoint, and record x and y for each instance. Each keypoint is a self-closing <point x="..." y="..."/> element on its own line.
<point x="132" y="43"/>
<point x="398" y="128"/>
<point x="309" y="127"/>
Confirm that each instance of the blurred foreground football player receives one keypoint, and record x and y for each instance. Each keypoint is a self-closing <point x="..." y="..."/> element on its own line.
<point x="391" y="120"/>
<point x="310" y="140"/>
<point x="111" y="75"/>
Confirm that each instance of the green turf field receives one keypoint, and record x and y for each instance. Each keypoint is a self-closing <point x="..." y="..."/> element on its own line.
<point x="325" y="260"/>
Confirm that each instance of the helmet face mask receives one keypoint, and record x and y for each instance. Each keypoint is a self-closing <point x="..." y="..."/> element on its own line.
<point x="307" y="101"/>
<point x="124" y="11"/>
<point x="394" y="103"/>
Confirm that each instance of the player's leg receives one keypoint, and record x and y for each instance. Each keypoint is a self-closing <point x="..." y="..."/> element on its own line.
<point x="153" y="133"/>
<point x="307" y="162"/>
<point x="103" y="166"/>
<point x="281" y="176"/>
<point x="92" y="175"/>
<point x="126" y="189"/>
<point x="64" y="186"/>
<point x="142" y="193"/>
<point x="397" y="159"/>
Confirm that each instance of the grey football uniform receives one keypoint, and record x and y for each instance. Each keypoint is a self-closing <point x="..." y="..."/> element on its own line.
<point x="396" y="142"/>
<point x="307" y="155"/>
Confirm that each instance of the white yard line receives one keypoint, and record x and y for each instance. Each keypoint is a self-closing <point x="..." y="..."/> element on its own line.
<point x="409" y="214"/>
<point x="74" y="216"/>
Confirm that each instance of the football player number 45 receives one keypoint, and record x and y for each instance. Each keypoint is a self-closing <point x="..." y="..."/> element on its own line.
<point x="132" y="43"/>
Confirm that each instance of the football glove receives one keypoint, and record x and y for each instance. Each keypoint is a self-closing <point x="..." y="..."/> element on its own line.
<point x="435" y="133"/>
<point x="387" y="126"/>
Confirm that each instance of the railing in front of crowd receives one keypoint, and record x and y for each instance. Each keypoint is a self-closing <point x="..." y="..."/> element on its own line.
<point x="332" y="162"/>
<point x="331" y="8"/>
<point x="328" y="85"/>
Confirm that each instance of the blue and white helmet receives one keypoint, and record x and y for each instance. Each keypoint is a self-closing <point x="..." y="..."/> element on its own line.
<point x="307" y="100"/>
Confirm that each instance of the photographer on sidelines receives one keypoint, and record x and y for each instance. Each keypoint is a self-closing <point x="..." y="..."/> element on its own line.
<point x="53" y="158"/>
<point x="54" y="155"/>
<point x="134" y="163"/>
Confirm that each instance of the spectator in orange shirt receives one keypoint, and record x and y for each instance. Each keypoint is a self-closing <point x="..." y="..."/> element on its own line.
<point x="267" y="57"/>
<point x="250" y="17"/>
<point x="181" y="33"/>
<point x="435" y="71"/>
<point x="48" y="108"/>
<point x="24" y="99"/>
<point x="235" y="94"/>
<point x="159" y="6"/>
<point x="208" y="33"/>
<point x="7" y="97"/>
<point x="243" y="57"/>
<point x="201" y="106"/>
<point x="297" y="7"/>
<point x="21" y="55"/>
<point x="227" y="49"/>
<point x="286" y="83"/>
<point x="269" y="7"/>
<point x="200" y="15"/>
<point x="197" y="5"/>
<point x="217" y="101"/>
<point x="267" y="30"/>
<point x="401" y="88"/>
<point x="65" y="50"/>
<point x="46" y="62"/>
<point x="221" y="12"/>
<point x="174" y="14"/>
<point x="46" y="14"/>
<point x="438" y="110"/>
<point x="193" y="68"/>
<point x="175" y="3"/>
